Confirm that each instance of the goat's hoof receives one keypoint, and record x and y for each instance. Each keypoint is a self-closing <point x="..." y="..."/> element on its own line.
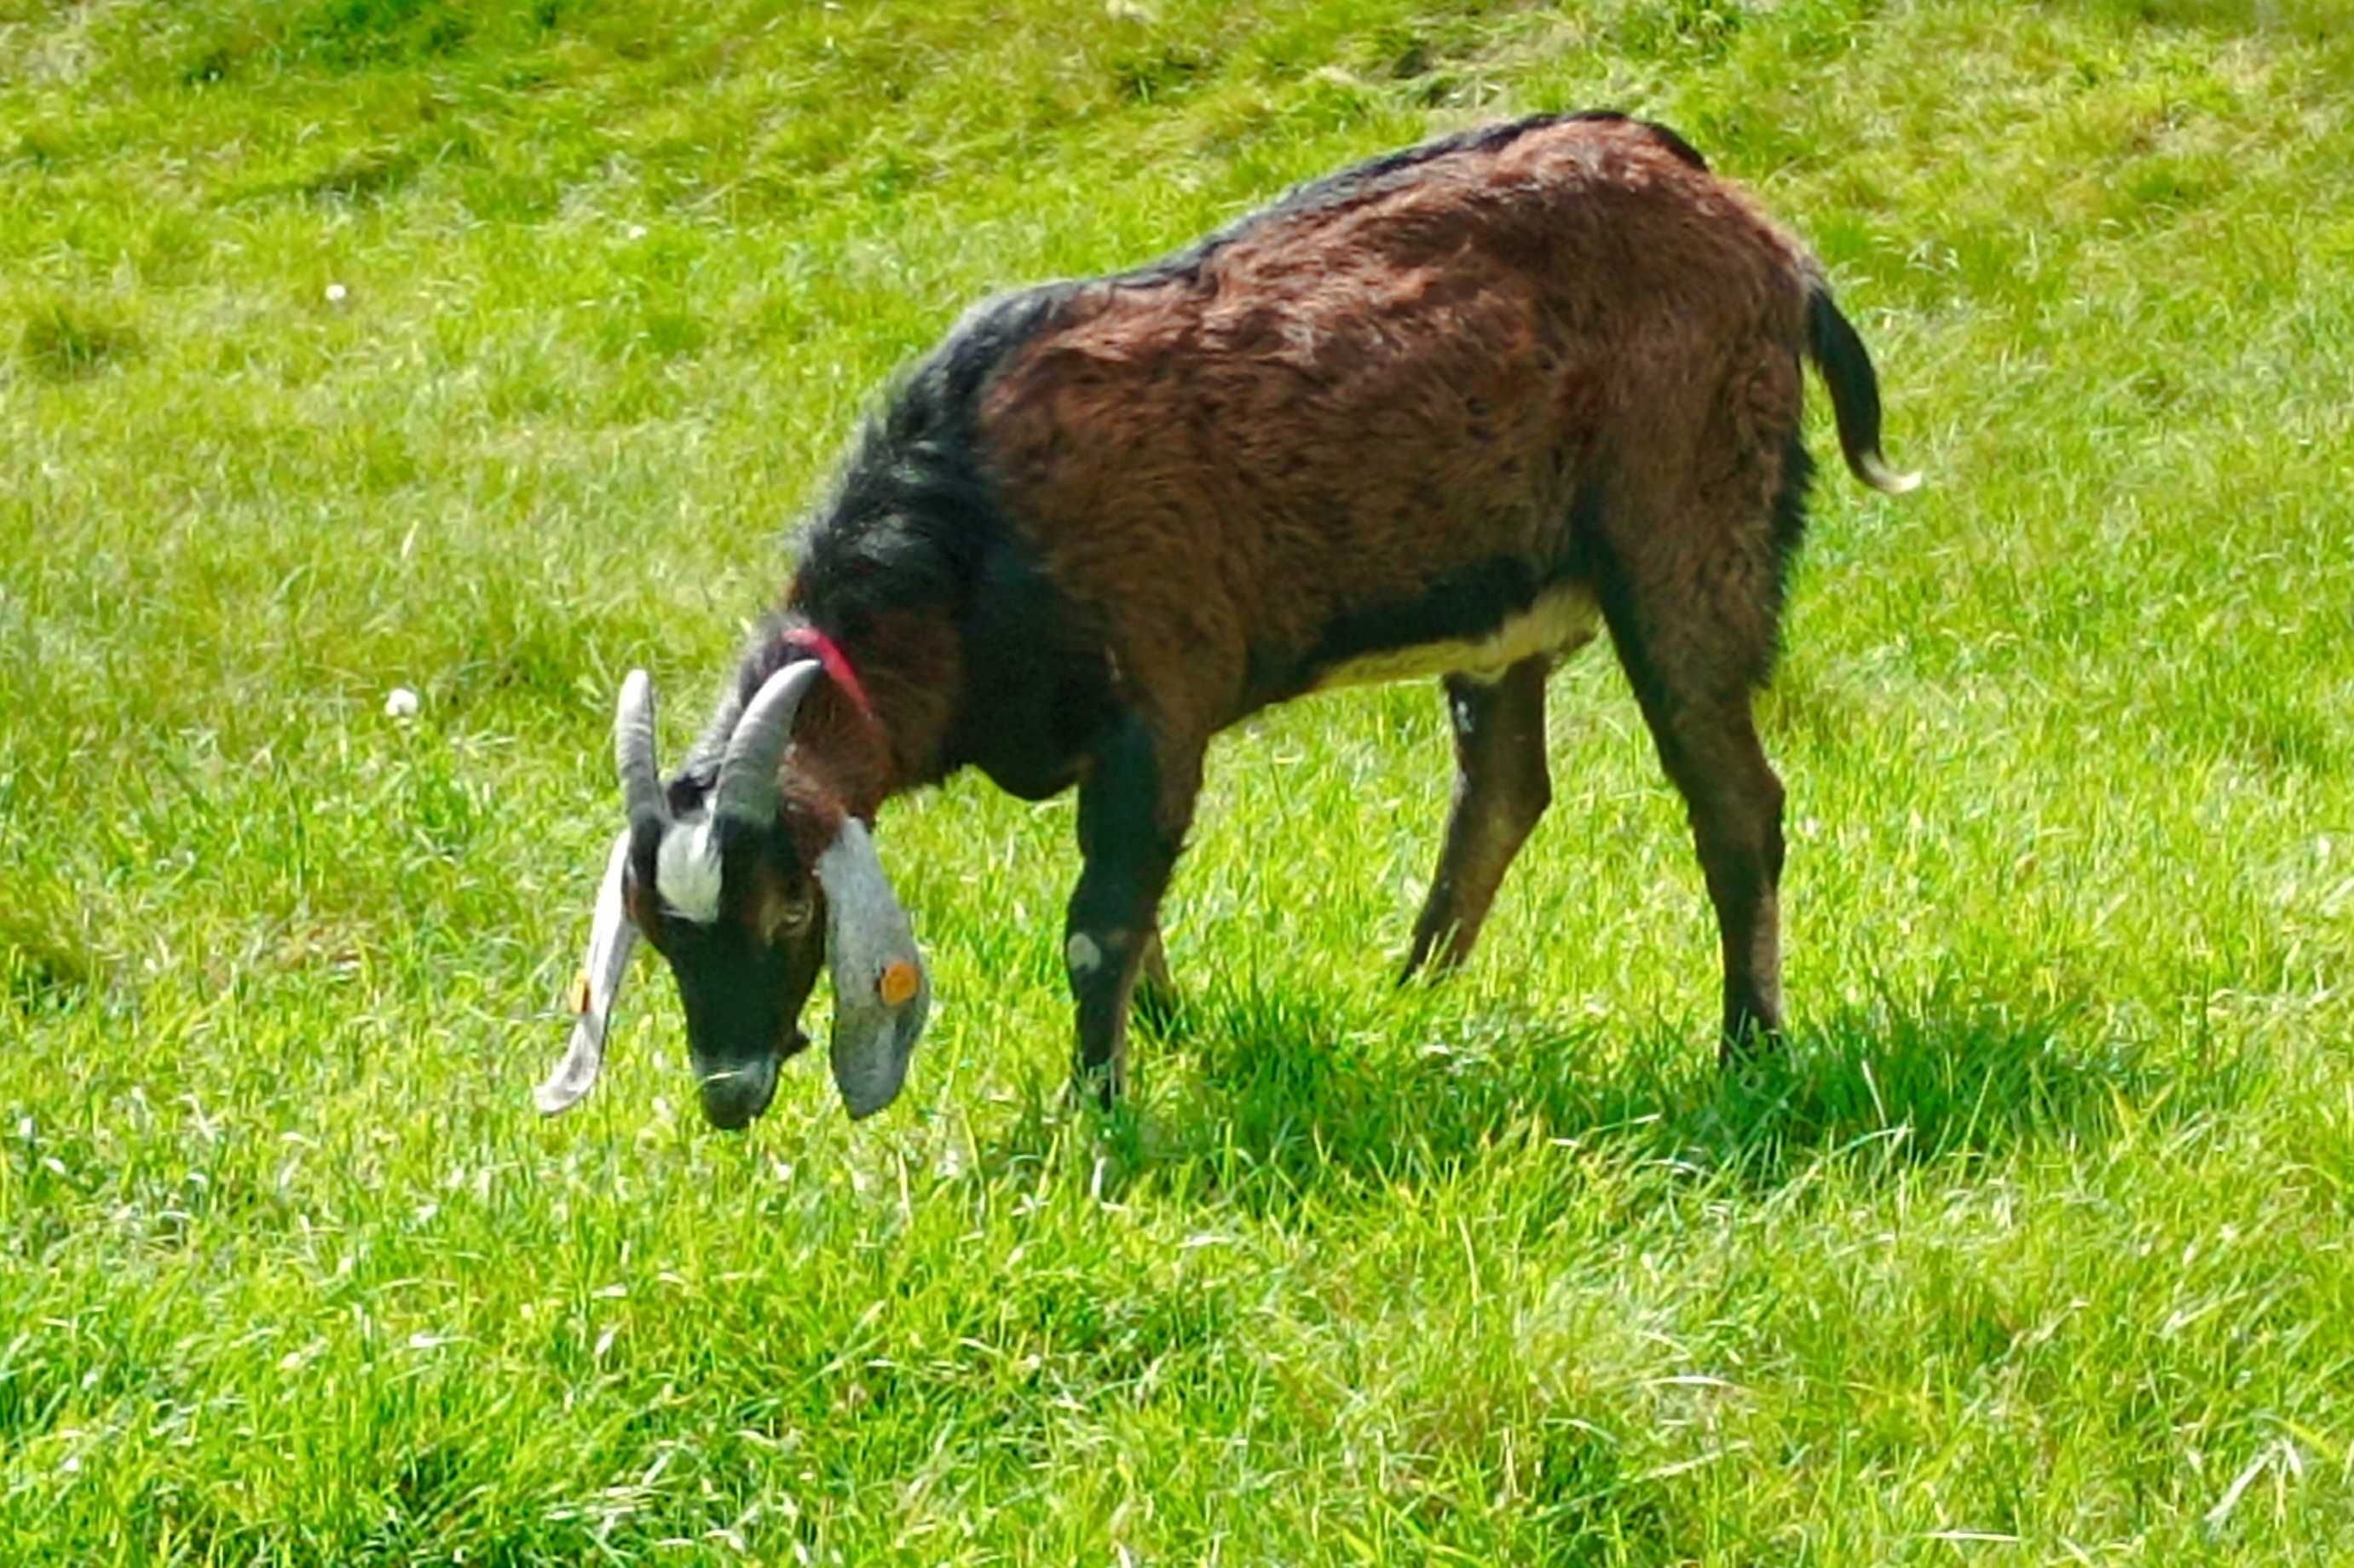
<point x="1091" y="1089"/>
<point x="1749" y="1047"/>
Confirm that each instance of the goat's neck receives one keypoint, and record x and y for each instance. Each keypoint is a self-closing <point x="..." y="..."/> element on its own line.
<point x="840" y="759"/>
<point x="858" y="758"/>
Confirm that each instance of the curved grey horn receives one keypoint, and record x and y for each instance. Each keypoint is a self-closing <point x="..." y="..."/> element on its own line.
<point x="746" y="790"/>
<point x="633" y="750"/>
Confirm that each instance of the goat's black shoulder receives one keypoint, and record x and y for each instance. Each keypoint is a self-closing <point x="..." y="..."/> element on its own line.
<point x="913" y="513"/>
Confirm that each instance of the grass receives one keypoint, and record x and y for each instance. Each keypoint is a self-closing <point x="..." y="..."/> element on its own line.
<point x="2035" y="1250"/>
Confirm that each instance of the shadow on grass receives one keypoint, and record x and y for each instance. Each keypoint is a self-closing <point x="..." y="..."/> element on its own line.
<point x="1280" y="1097"/>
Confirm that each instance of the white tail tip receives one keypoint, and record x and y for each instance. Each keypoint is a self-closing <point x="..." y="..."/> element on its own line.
<point x="1887" y="481"/>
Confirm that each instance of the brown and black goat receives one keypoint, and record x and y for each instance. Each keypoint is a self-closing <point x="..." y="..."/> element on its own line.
<point x="1444" y="413"/>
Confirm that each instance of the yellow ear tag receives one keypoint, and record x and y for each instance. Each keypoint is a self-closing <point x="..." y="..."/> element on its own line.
<point x="580" y="994"/>
<point x="897" y="986"/>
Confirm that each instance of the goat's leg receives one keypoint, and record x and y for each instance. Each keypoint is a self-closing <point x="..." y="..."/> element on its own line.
<point x="1501" y="789"/>
<point x="1156" y="992"/>
<point x="1693" y="674"/>
<point x="1735" y="802"/>
<point x="1134" y="806"/>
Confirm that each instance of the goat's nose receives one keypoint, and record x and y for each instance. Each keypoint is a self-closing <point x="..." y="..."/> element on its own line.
<point x="732" y="1096"/>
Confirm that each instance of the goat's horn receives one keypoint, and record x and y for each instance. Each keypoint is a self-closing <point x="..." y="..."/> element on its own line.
<point x="746" y="790"/>
<point x="633" y="750"/>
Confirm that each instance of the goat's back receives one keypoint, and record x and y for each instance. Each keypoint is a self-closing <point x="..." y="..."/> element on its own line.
<point x="1396" y="408"/>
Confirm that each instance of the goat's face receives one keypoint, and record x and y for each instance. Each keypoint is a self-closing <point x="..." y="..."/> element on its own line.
<point x="746" y="903"/>
<point x="741" y="921"/>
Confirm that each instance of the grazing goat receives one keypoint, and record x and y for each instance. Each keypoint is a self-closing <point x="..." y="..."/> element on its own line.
<point x="1444" y="413"/>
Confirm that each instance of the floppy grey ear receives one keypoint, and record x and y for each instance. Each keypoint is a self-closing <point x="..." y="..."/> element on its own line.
<point x="611" y="938"/>
<point x="881" y="994"/>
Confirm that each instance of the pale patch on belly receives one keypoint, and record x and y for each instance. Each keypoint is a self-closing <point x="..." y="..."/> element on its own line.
<point x="1562" y="620"/>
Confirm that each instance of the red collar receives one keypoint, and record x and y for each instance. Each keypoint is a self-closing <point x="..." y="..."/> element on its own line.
<point x="809" y="639"/>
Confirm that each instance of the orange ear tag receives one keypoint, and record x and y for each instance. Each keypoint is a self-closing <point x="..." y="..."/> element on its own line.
<point x="897" y="986"/>
<point x="579" y="993"/>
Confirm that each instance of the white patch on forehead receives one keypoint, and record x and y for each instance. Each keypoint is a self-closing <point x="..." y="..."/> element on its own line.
<point x="686" y="872"/>
<point x="1082" y="954"/>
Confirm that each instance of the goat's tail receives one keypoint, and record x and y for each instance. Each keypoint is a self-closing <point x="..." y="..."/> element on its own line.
<point x="1846" y="369"/>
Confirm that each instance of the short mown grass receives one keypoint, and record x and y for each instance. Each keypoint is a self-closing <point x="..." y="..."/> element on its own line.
<point x="488" y="350"/>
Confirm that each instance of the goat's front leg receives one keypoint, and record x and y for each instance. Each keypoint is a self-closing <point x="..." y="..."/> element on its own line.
<point x="1502" y="788"/>
<point x="1156" y="990"/>
<point x="1134" y="806"/>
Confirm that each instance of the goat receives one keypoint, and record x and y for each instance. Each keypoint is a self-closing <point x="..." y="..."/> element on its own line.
<point x="1447" y="412"/>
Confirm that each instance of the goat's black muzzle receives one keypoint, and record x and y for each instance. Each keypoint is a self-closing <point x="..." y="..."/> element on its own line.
<point x="732" y="1096"/>
<point x="735" y="1096"/>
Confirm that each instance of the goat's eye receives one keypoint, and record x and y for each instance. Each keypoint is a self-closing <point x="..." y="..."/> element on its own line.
<point x="788" y="915"/>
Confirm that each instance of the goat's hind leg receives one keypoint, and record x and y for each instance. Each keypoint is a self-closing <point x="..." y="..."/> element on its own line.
<point x="1711" y="752"/>
<point x="1696" y="638"/>
<point x="1502" y="788"/>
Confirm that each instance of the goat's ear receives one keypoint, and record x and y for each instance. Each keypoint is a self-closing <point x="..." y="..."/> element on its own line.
<point x="881" y="994"/>
<point x="610" y="937"/>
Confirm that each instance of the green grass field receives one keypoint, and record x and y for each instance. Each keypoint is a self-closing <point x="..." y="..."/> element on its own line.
<point x="488" y="350"/>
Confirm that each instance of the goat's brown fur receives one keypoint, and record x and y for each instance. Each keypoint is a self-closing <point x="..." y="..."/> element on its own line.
<point x="1343" y="407"/>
